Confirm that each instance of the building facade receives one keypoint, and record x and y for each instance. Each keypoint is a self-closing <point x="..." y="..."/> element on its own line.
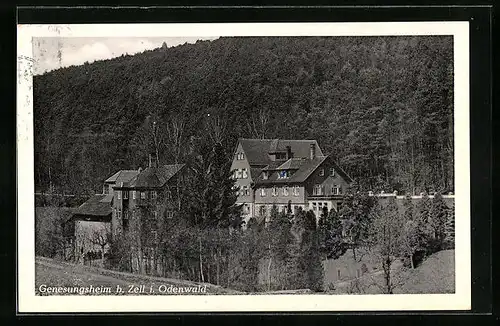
<point x="134" y="206"/>
<point x="287" y="174"/>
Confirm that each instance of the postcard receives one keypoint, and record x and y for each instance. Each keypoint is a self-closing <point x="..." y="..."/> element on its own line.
<point x="265" y="167"/>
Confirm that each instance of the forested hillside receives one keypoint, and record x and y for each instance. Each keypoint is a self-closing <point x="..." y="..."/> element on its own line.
<point x="382" y="105"/>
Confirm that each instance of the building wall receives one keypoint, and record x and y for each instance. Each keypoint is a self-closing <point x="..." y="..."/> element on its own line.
<point x="242" y="164"/>
<point x="327" y="181"/>
<point x="279" y="198"/>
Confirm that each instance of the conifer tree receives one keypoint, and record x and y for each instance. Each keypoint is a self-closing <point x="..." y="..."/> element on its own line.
<point x="438" y="222"/>
<point x="424" y="228"/>
<point x="311" y="254"/>
<point x="330" y="235"/>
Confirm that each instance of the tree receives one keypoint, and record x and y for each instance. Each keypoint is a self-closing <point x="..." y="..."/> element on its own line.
<point x="450" y="228"/>
<point x="330" y="235"/>
<point x="310" y="250"/>
<point x="101" y="238"/>
<point x="278" y="239"/>
<point x="424" y="228"/>
<point x="387" y="239"/>
<point x="411" y="235"/>
<point x="439" y="212"/>
<point x="356" y="212"/>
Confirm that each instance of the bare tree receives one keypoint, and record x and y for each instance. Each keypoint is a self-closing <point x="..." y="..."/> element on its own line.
<point x="388" y="240"/>
<point x="101" y="238"/>
<point x="258" y="123"/>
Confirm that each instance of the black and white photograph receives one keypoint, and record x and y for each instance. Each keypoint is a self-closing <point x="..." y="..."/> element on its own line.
<point x="324" y="166"/>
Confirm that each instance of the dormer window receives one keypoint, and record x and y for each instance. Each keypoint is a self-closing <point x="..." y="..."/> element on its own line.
<point x="263" y="192"/>
<point x="321" y="172"/>
<point x="265" y="175"/>
<point x="240" y="156"/>
<point x="280" y="156"/>
<point x="332" y="172"/>
<point x="282" y="174"/>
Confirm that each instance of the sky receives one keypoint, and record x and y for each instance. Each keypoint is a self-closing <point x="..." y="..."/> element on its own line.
<point x="78" y="50"/>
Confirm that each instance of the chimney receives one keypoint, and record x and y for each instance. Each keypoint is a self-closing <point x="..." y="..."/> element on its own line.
<point x="288" y="152"/>
<point x="152" y="161"/>
<point x="312" y="152"/>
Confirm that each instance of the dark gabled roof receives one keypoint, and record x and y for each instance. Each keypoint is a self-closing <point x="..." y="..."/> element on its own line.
<point x="291" y="164"/>
<point x="257" y="150"/>
<point x="155" y="177"/>
<point x="97" y="205"/>
<point x="273" y="165"/>
<point x="122" y="176"/>
<point x="304" y="169"/>
<point x="255" y="173"/>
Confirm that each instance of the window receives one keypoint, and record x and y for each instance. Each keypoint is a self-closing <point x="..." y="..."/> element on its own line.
<point x="119" y="194"/>
<point x="322" y="172"/>
<point x="133" y="194"/>
<point x="332" y="172"/>
<point x="247" y="191"/>
<point x="275" y="191"/>
<point x="244" y="173"/>
<point x="284" y="210"/>
<point x="335" y="189"/>
<point x="170" y="214"/>
<point x="125" y="194"/>
<point x="262" y="211"/>
<point x="154" y="194"/>
<point x="314" y="206"/>
<point x="339" y="207"/>
<point x="283" y="174"/>
<point x="265" y="175"/>
<point x="317" y="190"/>
<point x="246" y="209"/>
<point x="262" y="192"/>
<point x="143" y="195"/>
<point x="285" y="191"/>
<point x="119" y="213"/>
<point x="238" y="174"/>
<point x="154" y="235"/>
<point x="296" y="191"/>
<point x="240" y="156"/>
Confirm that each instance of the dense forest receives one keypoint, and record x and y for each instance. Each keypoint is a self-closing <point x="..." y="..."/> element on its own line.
<point x="383" y="106"/>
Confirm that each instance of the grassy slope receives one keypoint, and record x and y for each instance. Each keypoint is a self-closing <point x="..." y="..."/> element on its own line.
<point x="435" y="275"/>
<point x="55" y="273"/>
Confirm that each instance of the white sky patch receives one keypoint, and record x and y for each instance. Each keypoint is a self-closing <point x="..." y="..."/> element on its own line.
<point x="52" y="53"/>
